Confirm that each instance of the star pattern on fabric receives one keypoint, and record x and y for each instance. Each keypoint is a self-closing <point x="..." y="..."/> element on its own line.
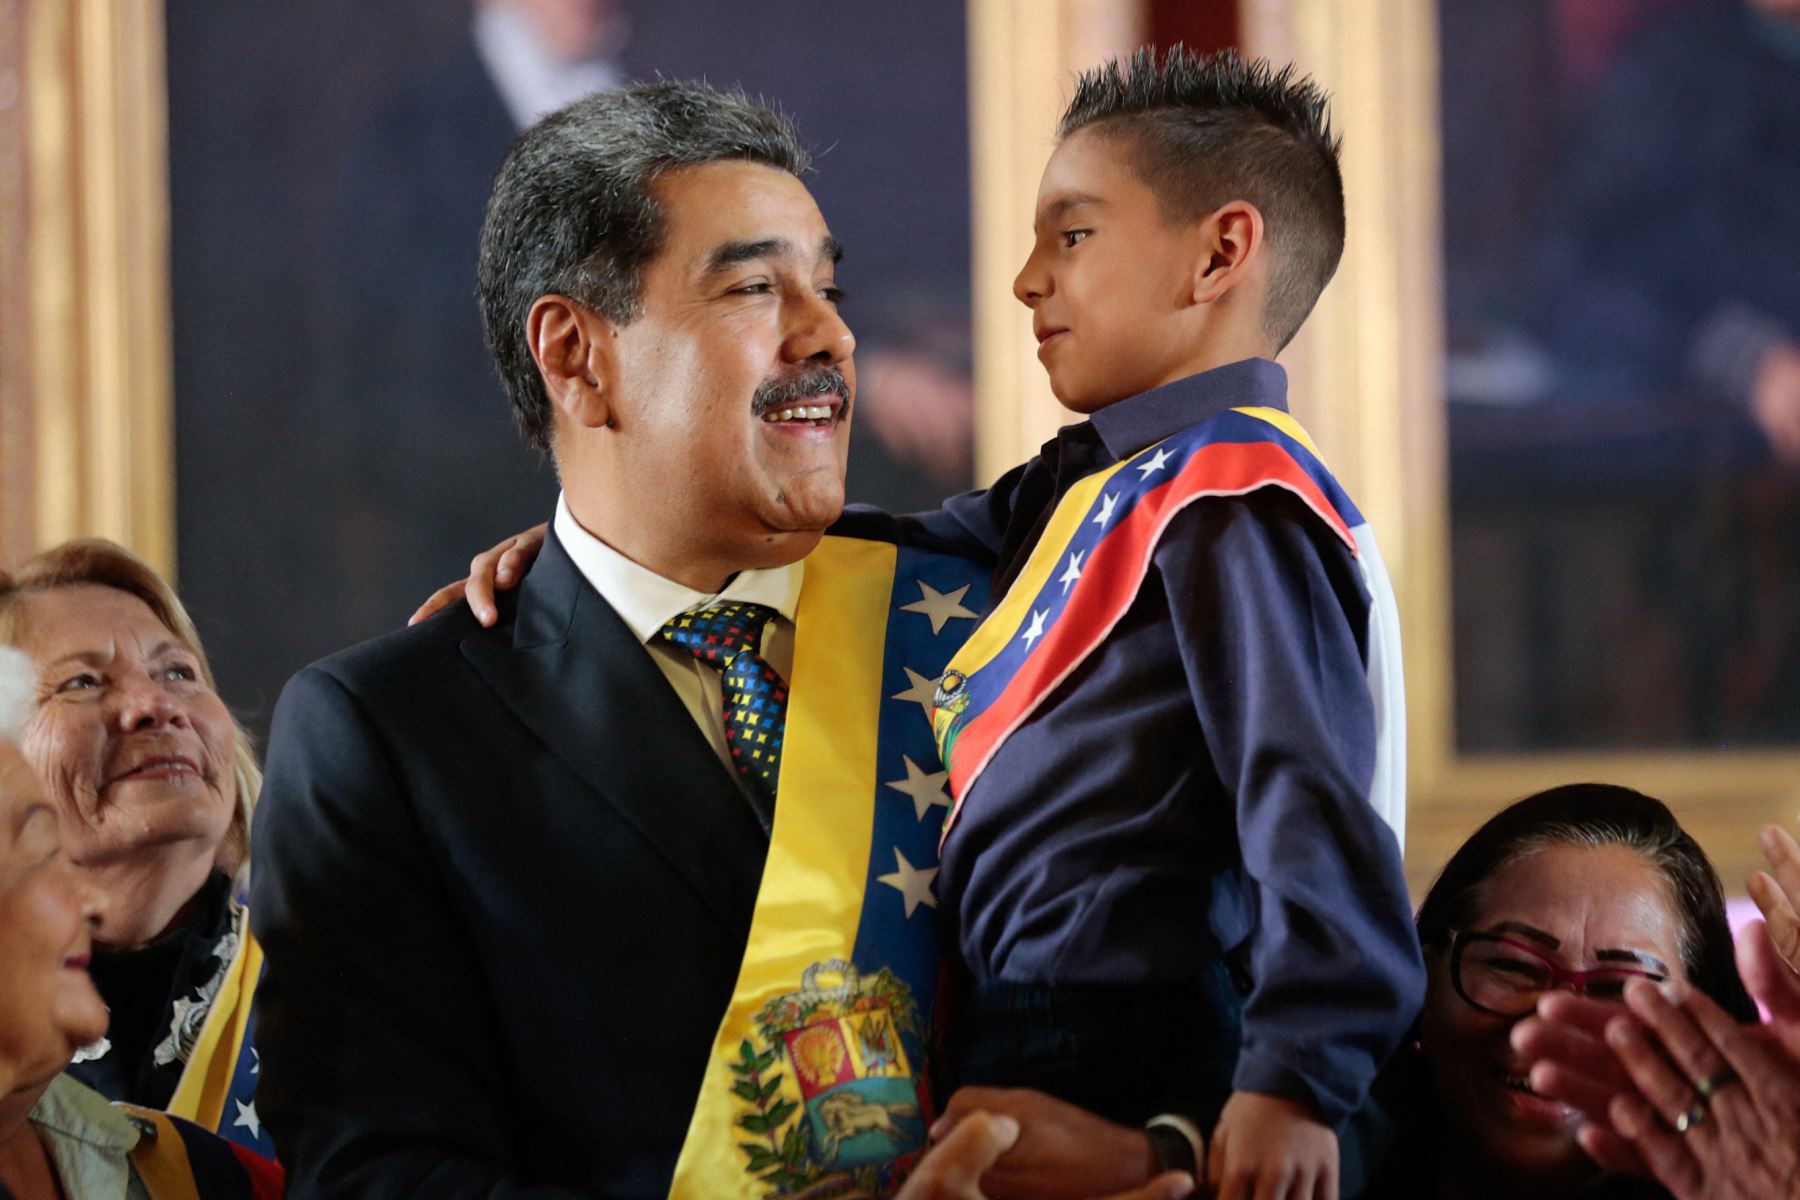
<point x="940" y="607"/>
<point x="246" y="1117"/>
<point x="1152" y="465"/>
<point x="1072" y="572"/>
<point x="922" y="691"/>
<point x="255" y="1061"/>
<point x="729" y="637"/>
<point x="1036" y="630"/>
<point x="924" y="788"/>
<point x="913" y="883"/>
<point x="1107" y="503"/>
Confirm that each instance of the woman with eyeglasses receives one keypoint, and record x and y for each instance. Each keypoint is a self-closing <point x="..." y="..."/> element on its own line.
<point x="1581" y="888"/>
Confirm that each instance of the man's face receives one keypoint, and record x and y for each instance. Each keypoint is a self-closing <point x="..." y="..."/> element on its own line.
<point x="731" y="416"/>
<point x="1108" y="277"/>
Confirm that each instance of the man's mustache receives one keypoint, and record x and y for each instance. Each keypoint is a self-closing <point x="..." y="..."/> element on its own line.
<point x="798" y="388"/>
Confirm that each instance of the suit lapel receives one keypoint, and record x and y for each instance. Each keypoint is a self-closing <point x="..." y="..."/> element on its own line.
<point x="580" y="680"/>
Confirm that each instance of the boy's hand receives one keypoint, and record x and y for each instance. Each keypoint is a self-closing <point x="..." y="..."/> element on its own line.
<point x="501" y="567"/>
<point x="1062" y="1151"/>
<point x="1269" y="1149"/>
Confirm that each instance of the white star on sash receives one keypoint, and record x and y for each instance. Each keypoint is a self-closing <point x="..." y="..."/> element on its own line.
<point x="922" y="692"/>
<point x="940" y="607"/>
<point x="926" y="788"/>
<point x="1153" y="465"/>
<point x="1106" y="509"/>
<point x="1037" y="627"/>
<point x="1073" y="571"/>
<point x="255" y="1061"/>
<point x="913" y="884"/>
<point x="246" y="1117"/>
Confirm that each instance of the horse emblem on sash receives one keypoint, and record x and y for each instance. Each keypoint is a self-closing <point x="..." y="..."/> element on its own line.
<point x="829" y="1095"/>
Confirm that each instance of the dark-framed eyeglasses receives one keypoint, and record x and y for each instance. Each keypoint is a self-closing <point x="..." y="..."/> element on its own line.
<point x="1504" y="976"/>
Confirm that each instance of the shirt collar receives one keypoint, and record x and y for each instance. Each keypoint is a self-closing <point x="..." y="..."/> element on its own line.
<point x="87" y="1139"/>
<point x="646" y="601"/>
<point x="1148" y="417"/>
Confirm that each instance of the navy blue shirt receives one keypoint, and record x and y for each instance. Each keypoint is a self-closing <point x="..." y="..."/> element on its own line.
<point x="1202" y="781"/>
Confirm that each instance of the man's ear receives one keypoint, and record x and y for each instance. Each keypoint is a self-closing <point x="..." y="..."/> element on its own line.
<point x="577" y="355"/>
<point x="1231" y="250"/>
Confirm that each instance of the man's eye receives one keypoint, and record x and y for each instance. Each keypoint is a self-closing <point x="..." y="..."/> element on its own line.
<point x="180" y="671"/>
<point x="1072" y="236"/>
<point x="832" y="295"/>
<point x="78" y="683"/>
<point x="753" y="289"/>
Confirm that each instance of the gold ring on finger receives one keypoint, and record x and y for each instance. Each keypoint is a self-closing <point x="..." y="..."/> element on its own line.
<point x="1709" y="1086"/>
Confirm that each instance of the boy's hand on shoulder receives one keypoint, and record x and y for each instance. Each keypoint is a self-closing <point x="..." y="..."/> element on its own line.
<point x="1266" y="1148"/>
<point x="1062" y="1150"/>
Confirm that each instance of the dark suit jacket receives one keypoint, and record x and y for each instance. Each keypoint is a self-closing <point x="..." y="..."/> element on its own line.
<point x="504" y="886"/>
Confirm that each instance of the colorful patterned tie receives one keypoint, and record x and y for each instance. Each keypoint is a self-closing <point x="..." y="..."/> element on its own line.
<point x="727" y="636"/>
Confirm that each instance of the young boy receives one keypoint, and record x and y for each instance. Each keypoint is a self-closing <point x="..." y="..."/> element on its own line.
<point x="1175" y="736"/>
<point x="1171" y="877"/>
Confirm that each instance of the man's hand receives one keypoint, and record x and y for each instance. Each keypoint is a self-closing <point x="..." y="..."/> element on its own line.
<point x="1775" y="399"/>
<point x="953" y="1169"/>
<point x="498" y="568"/>
<point x="1270" y="1149"/>
<point x="1062" y="1150"/>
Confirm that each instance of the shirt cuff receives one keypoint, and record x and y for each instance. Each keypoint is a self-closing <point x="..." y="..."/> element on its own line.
<point x="1271" y="1076"/>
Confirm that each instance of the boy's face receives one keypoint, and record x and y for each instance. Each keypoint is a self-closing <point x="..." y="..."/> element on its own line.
<point x="1109" y="281"/>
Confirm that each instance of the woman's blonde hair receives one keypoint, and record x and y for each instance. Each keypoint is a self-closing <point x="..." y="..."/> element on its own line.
<point x="101" y="563"/>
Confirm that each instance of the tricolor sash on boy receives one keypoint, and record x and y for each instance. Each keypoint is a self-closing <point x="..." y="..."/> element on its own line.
<point x="217" y="1090"/>
<point x="816" y="1083"/>
<point x="1094" y="555"/>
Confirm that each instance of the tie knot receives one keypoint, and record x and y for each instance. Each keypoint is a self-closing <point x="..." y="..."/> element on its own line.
<point x="718" y="634"/>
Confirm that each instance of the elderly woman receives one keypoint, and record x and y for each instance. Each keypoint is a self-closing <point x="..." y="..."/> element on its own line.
<point x="153" y="782"/>
<point x="58" y="1139"/>
<point x="1583" y="888"/>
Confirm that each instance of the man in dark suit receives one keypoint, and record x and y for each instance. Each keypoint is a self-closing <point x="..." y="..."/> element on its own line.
<point x="502" y="880"/>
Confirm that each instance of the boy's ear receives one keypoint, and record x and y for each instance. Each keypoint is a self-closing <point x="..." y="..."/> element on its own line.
<point x="1231" y="250"/>
<point x="577" y="355"/>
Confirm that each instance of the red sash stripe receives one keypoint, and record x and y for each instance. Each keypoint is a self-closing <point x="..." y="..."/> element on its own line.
<point x="1110" y="581"/>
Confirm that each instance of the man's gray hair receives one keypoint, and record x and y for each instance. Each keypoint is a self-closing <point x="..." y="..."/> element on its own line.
<point x="571" y="213"/>
<point x="18" y="682"/>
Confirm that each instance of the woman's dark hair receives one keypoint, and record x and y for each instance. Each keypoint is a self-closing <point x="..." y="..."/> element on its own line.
<point x="1599" y="814"/>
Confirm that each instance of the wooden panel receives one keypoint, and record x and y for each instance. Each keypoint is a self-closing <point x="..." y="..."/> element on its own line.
<point x="1023" y="58"/>
<point x="96" y="277"/>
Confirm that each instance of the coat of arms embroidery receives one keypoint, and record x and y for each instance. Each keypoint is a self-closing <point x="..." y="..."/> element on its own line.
<point x="831" y="1100"/>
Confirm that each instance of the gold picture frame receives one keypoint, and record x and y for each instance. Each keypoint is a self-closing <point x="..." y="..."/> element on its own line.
<point x="1367" y="379"/>
<point x="85" y="409"/>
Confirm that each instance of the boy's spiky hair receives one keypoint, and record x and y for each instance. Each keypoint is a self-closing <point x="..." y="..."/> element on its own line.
<point x="1206" y="129"/>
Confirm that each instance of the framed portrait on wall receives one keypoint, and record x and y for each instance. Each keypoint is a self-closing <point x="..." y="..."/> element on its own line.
<point x="343" y="443"/>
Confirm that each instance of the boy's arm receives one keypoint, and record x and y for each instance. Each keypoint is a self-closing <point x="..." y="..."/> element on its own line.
<point x="972" y="525"/>
<point x="1270" y="612"/>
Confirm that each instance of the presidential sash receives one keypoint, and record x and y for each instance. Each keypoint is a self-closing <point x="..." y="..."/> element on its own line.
<point x="217" y="1090"/>
<point x="1086" y="569"/>
<point x="816" y="1082"/>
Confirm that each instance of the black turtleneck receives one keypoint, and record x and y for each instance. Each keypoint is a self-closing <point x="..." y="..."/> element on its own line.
<point x="141" y="988"/>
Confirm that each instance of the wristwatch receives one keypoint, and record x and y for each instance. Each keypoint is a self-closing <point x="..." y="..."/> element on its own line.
<point x="1177" y="1143"/>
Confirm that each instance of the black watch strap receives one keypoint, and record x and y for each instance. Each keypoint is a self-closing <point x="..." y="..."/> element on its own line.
<point x="1172" y="1149"/>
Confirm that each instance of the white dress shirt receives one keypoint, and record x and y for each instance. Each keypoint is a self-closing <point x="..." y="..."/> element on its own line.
<point x="646" y="602"/>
